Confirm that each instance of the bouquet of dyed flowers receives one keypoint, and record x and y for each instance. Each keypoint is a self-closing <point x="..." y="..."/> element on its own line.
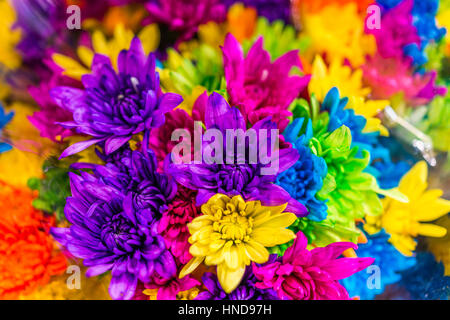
<point x="224" y="150"/>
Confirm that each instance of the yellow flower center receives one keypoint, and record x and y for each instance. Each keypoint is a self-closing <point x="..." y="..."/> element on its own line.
<point x="232" y="224"/>
<point x="190" y="294"/>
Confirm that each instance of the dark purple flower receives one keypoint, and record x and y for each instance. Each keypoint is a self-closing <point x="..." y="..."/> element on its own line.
<point x="271" y="9"/>
<point x="185" y="16"/>
<point x="114" y="223"/>
<point x="134" y="174"/>
<point x="115" y="106"/>
<point x="246" y="179"/>
<point x="245" y="291"/>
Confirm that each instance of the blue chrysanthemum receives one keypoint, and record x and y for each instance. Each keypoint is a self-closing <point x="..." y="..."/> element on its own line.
<point x="388" y="174"/>
<point x="340" y="116"/>
<point x="388" y="263"/>
<point x="426" y="280"/>
<point x="305" y="178"/>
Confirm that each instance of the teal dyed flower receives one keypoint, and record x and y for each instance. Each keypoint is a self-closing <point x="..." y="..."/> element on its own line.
<point x="5" y="118"/>
<point x="389" y="261"/>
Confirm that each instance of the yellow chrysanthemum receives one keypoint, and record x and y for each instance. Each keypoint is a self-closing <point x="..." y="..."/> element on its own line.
<point x="111" y="48"/>
<point x="173" y="81"/>
<point x="212" y="34"/>
<point x="350" y="84"/>
<point x="440" y="247"/>
<point x="232" y="233"/>
<point x="338" y="32"/>
<point x="443" y="19"/>
<point x="30" y="149"/>
<point x="9" y="58"/>
<point x="404" y="221"/>
<point x="189" y="100"/>
<point x="22" y="133"/>
<point x="241" y="22"/>
<point x="8" y="55"/>
<point x="324" y="78"/>
<point x="17" y="166"/>
<point x="369" y="110"/>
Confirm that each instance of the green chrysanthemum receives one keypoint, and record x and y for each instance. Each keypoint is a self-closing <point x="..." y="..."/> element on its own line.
<point x="351" y="193"/>
<point x="203" y="68"/>
<point x="278" y="38"/>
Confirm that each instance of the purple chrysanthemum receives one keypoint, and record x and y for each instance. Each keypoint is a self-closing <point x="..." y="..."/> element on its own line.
<point x="115" y="106"/>
<point x="245" y="179"/>
<point x="134" y="173"/>
<point x="245" y="291"/>
<point x="114" y="222"/>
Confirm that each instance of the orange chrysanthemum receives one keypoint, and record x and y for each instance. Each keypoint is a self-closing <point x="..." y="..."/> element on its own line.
<point x="242" y="21"/>
<point x="313" y="6"/>
<point x="27" y="254"/>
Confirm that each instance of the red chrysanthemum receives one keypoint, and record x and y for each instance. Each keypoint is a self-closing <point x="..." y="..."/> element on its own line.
<point x="160" y="138"/>
<point x="173" y="224"/>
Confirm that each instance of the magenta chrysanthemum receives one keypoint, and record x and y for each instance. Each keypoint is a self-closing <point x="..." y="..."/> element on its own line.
<point x="397" y="31"/>
<point x="259" y="87"/>
<point x="160" y="140"/>
<point x="310" y="275"/>
<point x="169" y="288"/>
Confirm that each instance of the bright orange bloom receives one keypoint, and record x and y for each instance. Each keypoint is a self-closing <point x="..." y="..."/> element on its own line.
<point x="242" y="21"/>
<point x="129" y="16"/>
<point x="27" y="253"/>
<point x="312" y="6"/>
